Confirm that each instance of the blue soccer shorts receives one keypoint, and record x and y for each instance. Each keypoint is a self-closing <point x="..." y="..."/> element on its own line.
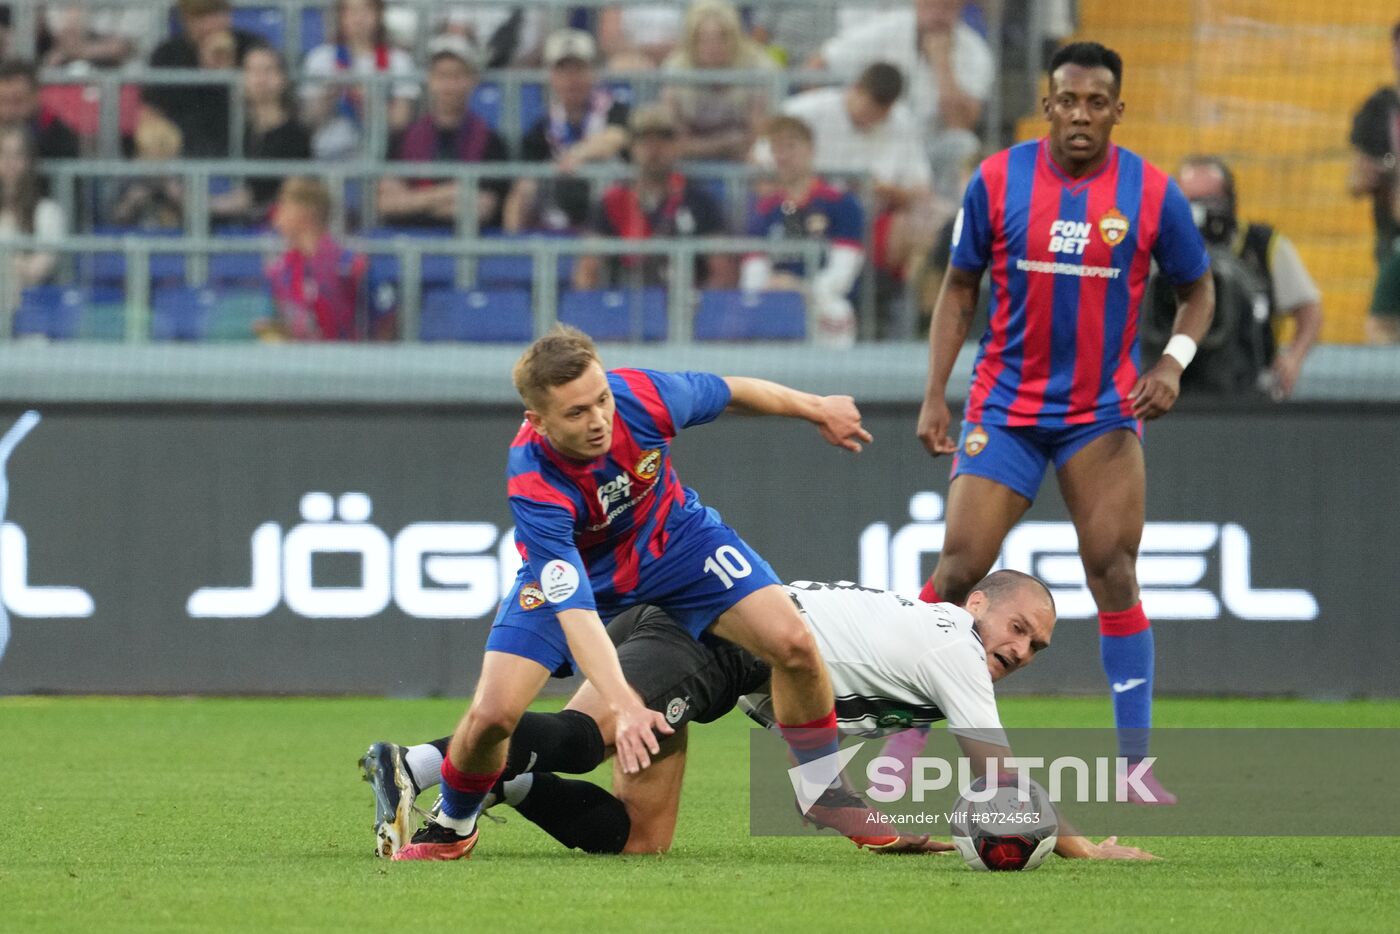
<point x="1016" y="457"/>
<point x="706" y="569"/>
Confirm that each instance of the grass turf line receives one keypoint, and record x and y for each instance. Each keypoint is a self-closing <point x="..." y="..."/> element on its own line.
<point x="248" y="815"/>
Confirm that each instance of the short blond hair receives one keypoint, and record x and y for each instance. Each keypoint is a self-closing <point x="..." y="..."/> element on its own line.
<point x="788" y="125"/>
<point x="310" y="193"/>
<point x="558" y="358"/>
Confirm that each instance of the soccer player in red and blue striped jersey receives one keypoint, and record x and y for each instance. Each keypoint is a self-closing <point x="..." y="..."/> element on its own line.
<point x="603" y="523"/>
<point x="1067" y="227"/>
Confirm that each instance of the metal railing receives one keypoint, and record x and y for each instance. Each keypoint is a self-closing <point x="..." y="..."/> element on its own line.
<point x="682" y="294"/>
<point x="196" y="175"/>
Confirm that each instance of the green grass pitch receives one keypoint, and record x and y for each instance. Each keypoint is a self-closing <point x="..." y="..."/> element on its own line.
<point x="248" y="815"/>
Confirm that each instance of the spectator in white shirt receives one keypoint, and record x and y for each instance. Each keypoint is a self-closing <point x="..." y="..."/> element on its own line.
<point x="864" y="128"/>
<point x="639" y="36"/>
<point x="950" y="67"/>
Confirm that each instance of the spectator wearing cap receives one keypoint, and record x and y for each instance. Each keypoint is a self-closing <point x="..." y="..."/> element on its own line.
<point x="19" y="106"/>
<point x="583" y="124"/>
<point x="658" y="202"/>
<point x="318" y="286"/>
<point x="207" y="41"/>
<point x="361" y="47"/>
<point x="802" y="206"/>
<point x="450" y="133"/>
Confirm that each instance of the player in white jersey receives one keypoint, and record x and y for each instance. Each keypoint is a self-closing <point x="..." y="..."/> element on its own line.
<point x="897" y="663"/>
<point x="894" y="663"/>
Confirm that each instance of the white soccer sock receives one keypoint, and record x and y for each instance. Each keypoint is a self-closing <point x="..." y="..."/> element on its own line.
<point x="424" y="764"/>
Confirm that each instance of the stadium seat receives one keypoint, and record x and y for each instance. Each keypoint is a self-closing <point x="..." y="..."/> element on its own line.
<point x="63" y="313"/>
<point x="38" y="308"/>
<point x="264" y="22"/>
<point x="532" y="106"/>
<point x="313" y="28"/>
<point x="483" y="315"/>
<point x="235" y="269"/>
<point x="486" y="103"/>
<point x="234" y="313"/>
<point x="179" y="312"/>
<point x="725" y="315"/>
<point x="108" y="267"/>
<point x="103" y="315"/>
<point x="616" y="314"/>
<point x="189" y="313"/>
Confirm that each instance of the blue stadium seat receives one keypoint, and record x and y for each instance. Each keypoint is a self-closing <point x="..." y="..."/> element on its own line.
<point x="103" y="315"/>
<point x="108" y="267"/>
<point x="189" y="313"/>
<point x="532" y="106"/>
<point x="37" y="308"/>
<point x="725" y="315"/>
<point x="313" y="28"/>
<point x="235" y="268"/>
<point x="64" y="313"/>
<point x="180" y="313"/>
<point x="486" y="103"/>
<point x="616" y="314"/>
<point x="264" y="22"/>
<point x="505" y="271"/>
<point x="484" y="315"/>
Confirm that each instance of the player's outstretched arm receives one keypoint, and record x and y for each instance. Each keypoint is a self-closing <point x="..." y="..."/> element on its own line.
<point x="836" y="417"/>
<point x="1072" y="846"/>
<point x="1156" y="390"/>
<point x="636" y="726"/>
<point x="952" y="318"/>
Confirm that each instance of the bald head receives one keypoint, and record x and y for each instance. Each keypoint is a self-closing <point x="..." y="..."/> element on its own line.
<point x="1014" y="615"/>
<point x="1006" y="582"/>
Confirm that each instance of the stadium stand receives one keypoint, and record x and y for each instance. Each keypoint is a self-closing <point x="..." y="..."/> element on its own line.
<point x="1269" y="86"/>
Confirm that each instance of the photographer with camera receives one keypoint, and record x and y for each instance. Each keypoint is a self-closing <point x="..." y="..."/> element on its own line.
<point x="1260" y="280"/>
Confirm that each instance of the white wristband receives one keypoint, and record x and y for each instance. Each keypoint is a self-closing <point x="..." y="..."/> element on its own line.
<point x="1182" y="349"/>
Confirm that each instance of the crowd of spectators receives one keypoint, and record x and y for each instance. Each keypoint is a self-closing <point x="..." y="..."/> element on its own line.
<point x="901" y="134"/>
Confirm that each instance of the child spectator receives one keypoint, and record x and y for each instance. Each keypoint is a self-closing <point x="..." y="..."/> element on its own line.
<point x="336" y="111"/>
<point x="717" y="121"/>
<point x="318" y="286"/>
<point x="155" y="202"/>
<point x="801" y="207"/>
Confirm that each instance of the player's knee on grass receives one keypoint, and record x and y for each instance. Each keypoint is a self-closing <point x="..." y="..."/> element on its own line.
<point x="652" y="797"/>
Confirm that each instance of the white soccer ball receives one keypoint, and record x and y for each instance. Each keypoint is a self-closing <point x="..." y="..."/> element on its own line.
<point x="1009" y="831"/>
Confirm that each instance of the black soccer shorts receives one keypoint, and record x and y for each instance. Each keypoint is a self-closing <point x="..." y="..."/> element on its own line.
<point x="675" y="674"/>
